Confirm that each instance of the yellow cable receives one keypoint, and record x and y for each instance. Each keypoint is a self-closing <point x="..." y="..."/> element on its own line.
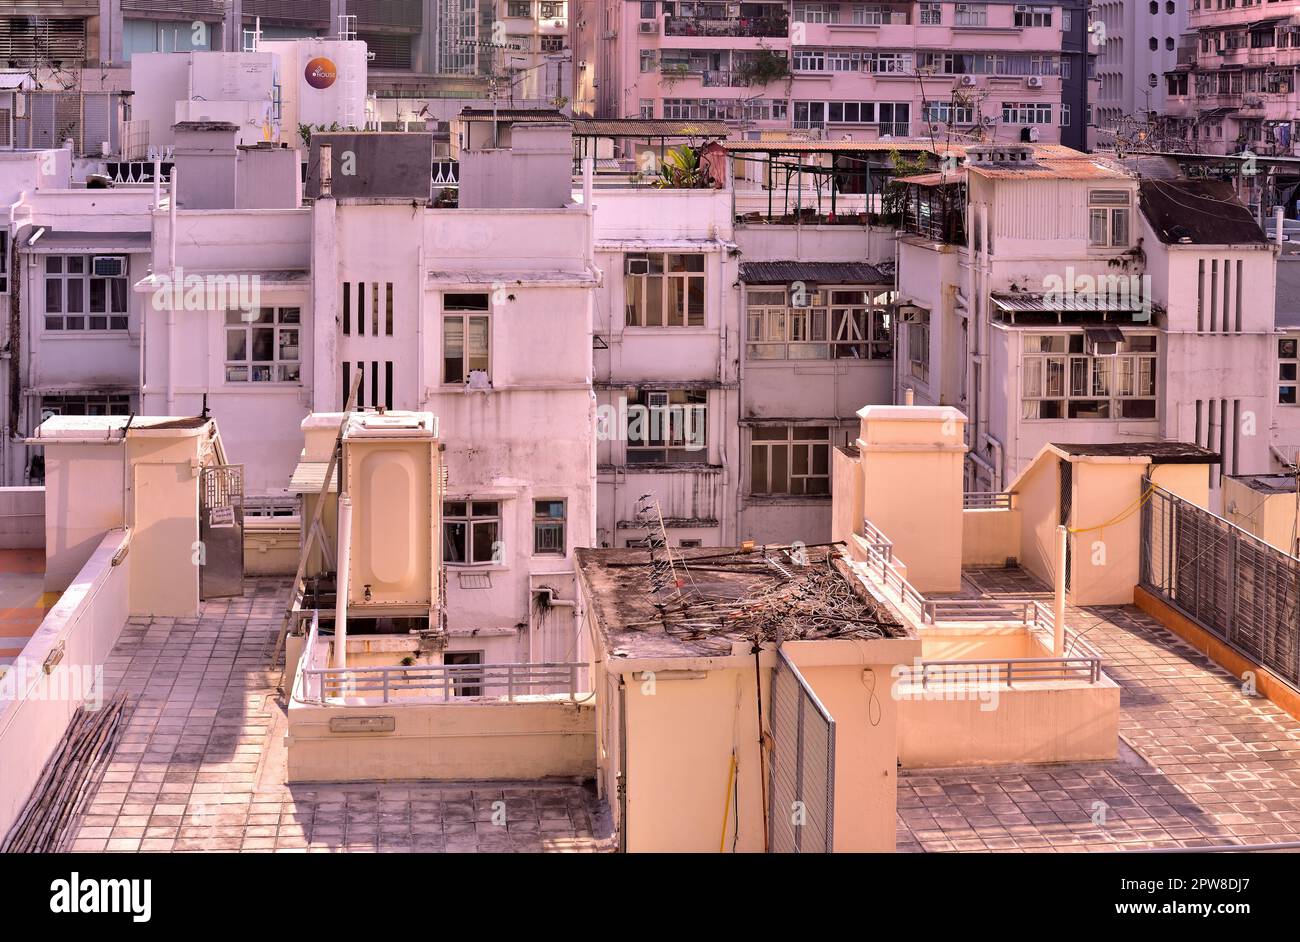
<point x="726" y="807"/>
<point x="1121" y="516"/>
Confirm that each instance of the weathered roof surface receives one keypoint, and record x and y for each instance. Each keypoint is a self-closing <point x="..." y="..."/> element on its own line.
<point x="1158" y="452"/>
<point x="648" y="127"/>
<point x="1197" y="212"/>
<point x="513" y="114"/>
<point x="714" y="597"/>
<point x="934" y="179"/>
<point x="1026" y="303"/>
<point x="1053" y="167"/>
<point x="1268" y="483"/>
<point x="829" y="273"/>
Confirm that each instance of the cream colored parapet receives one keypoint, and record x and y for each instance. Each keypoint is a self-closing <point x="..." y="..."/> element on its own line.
<point x="912" y="478"/>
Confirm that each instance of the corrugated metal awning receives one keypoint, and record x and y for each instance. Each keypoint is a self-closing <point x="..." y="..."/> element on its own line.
<point x="1103" y="333"/>
<point x="308" y="477"/>
<point x="821" y="273"/>
<point x="1071" y="303"/>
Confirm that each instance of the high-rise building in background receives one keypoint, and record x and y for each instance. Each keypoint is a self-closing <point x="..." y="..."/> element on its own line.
<point x="963" y="71"/>
<point x="1137" y="43"/>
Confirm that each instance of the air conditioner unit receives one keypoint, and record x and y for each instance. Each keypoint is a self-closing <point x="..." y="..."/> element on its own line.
<point x="1034" y="81"/>
<point x="638" y="266"/>
<point x="648" y="26"/>
<point x="656" y="400"/>
<point x="1022" y="8"/>
<point x="968" y="81"/>
<point x="108" y="266"/>
<point x="1104" y="348"/>
<point x="963" y="8"/>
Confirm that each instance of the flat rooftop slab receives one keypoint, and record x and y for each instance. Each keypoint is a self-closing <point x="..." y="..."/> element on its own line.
<point x="1200" y="764"/>
<point x="23" y="599"/>
<point x="200" y="764"/>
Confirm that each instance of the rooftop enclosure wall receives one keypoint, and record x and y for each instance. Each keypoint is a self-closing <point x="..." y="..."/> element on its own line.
<point x="22" y="518"/>
<point x="535" y="171"/>
<point x="35" y="707"/>
<point x="1270" y="517"/>
<point x="1103" y="515"/>
<point x="495" y="741"/>
<point x="655" y="214"/>
<point x="912" y="468"/>
<point x="686" y="718"/>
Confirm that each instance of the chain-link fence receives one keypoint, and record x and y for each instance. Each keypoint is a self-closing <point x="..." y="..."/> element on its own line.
<point x="1234" y="585"/>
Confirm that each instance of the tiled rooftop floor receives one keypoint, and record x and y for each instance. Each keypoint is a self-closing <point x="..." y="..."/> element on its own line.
<point x="1201" y="764"/>
<point x="200" y="765"/>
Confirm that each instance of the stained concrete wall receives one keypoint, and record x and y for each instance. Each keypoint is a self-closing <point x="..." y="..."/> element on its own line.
<point x="22" y="518"/>
<point x="533" y="738"/>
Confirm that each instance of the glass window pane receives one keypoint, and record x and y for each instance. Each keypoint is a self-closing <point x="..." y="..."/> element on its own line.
<point x="485" y="538"/>
<point x="453" y="541"/>
<point x="263" y="344"/>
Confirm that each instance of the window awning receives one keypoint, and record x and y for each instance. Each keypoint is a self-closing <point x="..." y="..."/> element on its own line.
<point x="70" y="242"/>
<point x="818" y="273"/>
<point x="308" y="477"/>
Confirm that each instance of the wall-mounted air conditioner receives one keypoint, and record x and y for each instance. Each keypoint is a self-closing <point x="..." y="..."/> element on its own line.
<point x="968" y="81"/>
<point x="108" y="266"/>
<point x="638" y="266"/>
<point x="648" y="26"/>
<point x="1034" y="81"/>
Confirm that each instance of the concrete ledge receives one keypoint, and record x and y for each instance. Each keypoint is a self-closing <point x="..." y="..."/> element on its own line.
<point x="1282" y="694"/>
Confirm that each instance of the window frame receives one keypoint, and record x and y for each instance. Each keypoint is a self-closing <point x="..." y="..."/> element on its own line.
<point x="236" y="322"/>
<point x="470" y="517"/>
<point x="1114" y="210"/>
<point x="673" y="447"/>
<point x="115" y="321"/>
<point x="674" y="284"/>
<point x="1069" y="375"/>
<point x="549" y="519"/>
<point x="1288" y="355"/>
<point x="795" y="437"/>
<point x="461" y="311"/>
<point x="818" y="330"/>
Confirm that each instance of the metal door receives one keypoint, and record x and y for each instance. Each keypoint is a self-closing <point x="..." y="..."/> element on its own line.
<point x="221" y="531"/>
<point x="801" y="787"/>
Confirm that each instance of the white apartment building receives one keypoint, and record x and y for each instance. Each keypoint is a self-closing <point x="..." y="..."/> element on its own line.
<point x="1136" y="42"/>
<point x="1136" y="311"/>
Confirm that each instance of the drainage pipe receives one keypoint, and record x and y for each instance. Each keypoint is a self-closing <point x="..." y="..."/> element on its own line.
<point x="341" y="582"/>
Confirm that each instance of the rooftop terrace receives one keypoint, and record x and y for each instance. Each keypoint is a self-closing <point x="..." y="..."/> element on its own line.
<point x="1201" y="763"/>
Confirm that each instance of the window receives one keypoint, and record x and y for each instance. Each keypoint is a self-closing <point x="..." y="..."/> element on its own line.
<point x="4" y="262"/>
<point x="552" y="44"/>
<point x="88" y="404"/>
<point x="647" y="107"/>
<point x="972" y="14"/>
<point x="1033" y="16"/>
<point x="77" y="299"/>
<point x="367" y="308"/>
<point x="647" y="9"/>
<point x="1026" y="112"/>
<point x="931" y="14"/>
<point x="1065" y="116"/>
<point x="465" y="683"/>
<point x="664" y="290"/>
<point x="829" y="324"/>
<point x="649" y="60"/>
<point x="521" y="8"/>
<point x="944" y="112"/>
<point x="918" y="345"/>
<point x="263" y="350"/>
<point x="471" y="532"/>
<point x="790" y="460"/>
<point x="816" y="13"/>
<point x="667" y="426"/>
<point x="1108" y="218"/>
<point x="1063" y="380"/>
<point x="465" y="337"/>
<point x="551" y="11"/>
<point x="548" y="528"/>
<point x="1288" y="370"/>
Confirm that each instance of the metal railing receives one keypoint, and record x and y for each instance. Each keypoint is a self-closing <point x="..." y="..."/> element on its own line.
<point x="986" y="500"/>
<point x="447" y="682"/>
<point x="758" y="27"/>
<point x="1010" y="670"/>
<point x="1079" y="660"/>
<point x="1238" y="588"/>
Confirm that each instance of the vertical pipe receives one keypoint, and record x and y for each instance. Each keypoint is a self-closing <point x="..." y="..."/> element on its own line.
<point x="1058" y="601"/>
<point x="344" y="555"/>
<point x="171" y="221"/>
<point x="1278" y="215"/>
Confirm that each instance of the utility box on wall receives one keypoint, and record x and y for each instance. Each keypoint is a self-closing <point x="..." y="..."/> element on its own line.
<point x="392" y="473"/>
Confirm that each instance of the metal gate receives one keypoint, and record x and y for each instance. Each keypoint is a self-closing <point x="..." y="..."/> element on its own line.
<point x="801" y="787"/>
<point x="221" y="531"/>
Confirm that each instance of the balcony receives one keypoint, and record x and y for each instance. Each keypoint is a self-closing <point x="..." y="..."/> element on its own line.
<point x="754" y="27"/>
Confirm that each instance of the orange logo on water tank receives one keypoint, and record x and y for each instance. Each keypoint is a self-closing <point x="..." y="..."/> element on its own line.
<point x="321" y="72"/>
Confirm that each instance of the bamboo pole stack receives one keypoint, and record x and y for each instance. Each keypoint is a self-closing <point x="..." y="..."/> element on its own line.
<point x="67" y="780"/>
